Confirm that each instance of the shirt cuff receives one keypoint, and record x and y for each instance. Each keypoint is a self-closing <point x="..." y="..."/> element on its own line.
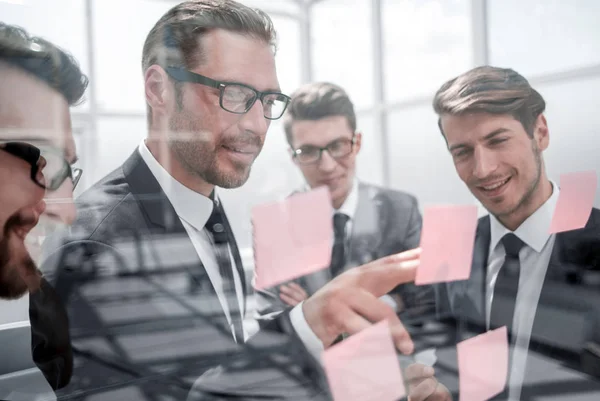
<point x="308" y="337"/>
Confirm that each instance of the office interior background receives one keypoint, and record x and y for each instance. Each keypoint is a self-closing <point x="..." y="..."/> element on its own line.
<point x="390" y="55"/>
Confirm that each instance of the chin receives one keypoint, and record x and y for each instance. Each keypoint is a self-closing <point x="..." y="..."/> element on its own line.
<point x="501" y="210"/>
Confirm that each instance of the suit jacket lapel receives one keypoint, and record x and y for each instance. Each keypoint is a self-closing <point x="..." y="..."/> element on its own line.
<point x="572" y="253"/>
<point x="469" y="296"/>
<point x="164" y="223"/>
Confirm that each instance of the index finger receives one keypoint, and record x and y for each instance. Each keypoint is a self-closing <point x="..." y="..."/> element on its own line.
<point x="383" y="275"/>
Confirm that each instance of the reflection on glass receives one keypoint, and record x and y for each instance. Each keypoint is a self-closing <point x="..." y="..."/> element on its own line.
<point x="45" y="19"/>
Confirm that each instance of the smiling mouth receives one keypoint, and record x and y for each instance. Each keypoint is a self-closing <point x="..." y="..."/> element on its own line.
<point x="495" y="187"/>
<point x="241" y="151"/>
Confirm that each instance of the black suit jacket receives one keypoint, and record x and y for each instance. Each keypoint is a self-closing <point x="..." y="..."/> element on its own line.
<point x="145" y="320"/>
<point x="570" y="298"/>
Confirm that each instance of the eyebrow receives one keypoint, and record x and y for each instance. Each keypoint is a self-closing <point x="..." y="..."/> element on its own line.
<point x="487" y="138"/>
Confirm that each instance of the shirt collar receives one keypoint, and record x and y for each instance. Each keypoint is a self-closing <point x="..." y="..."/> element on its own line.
<point x="349" y="206"/>
<point x="534" y="231"/>
<point x="189" y="205"/>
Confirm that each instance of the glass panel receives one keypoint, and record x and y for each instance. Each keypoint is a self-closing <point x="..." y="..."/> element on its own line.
<point x="119" y="39"/>
<point x="288" y="56"/>
<point x="47" y="19"/>
<point x="419" y="161"/>
<point x="342" y="49"/>
<point x="369" y="167"/>
<point x="573" y="122"/>
<point x="544" y="36"/>
<point x="426" y="42"/>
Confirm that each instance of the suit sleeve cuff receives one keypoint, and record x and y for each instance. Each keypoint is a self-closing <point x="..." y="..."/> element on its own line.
<point x="308" y="337"/>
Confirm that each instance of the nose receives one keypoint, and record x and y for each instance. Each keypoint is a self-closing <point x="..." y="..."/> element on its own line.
<point x="327" y="163"/>
<point x="60" y="205"/>
<point x="484" y="163"/>
<point x="254" y="120"/>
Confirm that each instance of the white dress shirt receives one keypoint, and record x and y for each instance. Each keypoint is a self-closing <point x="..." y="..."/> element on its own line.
<point x="311" y="341"/>
<point x="534" y="258"/>
<point x="194" y="209"/>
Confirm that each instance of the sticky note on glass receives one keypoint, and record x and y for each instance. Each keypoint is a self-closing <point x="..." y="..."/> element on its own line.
<point x="292" y="238"/>
<point x="575" y="201"/>
<point x="447" y="241"/>
<point x="365" y="367"/>
<point x="483" y="365"/>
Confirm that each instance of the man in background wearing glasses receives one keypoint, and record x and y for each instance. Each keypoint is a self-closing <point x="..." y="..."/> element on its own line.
<point x="369" y="221"/>
<point x="38" y="83"/>
<point x="151" y="274"/>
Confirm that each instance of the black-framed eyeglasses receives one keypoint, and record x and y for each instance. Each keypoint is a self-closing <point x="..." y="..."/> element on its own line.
<point x="337" y="149"/>
<point x="49" y="169"/>
<point x="235" y="97"/>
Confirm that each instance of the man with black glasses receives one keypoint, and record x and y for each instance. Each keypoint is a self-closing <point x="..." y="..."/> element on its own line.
<point x="151" y="273"/>
<point x="369" y="221"/>
<point x="38" y="83"/>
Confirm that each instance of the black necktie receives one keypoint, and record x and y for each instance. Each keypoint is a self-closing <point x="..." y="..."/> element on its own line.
<point x="216" y="228"/>
<point x="507" y="285"/>
<point x="338" y="252"/>
<point x="505" y="296"/>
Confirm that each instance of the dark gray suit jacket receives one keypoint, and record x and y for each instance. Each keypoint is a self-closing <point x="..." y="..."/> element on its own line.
<point x="145" y="320"/>
<point x="386" y="222"/>
<point x="566" y="328"/>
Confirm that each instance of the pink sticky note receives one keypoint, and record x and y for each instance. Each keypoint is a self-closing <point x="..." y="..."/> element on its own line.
<point x="575" y="201"/>
<point x="483" y="365"/>
<point x="447" y="240"/>
<point x="365" y="367"/>
<point x="292" y="238"/>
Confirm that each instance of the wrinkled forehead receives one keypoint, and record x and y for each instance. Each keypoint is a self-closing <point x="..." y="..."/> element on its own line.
<point x="30" y="110"/>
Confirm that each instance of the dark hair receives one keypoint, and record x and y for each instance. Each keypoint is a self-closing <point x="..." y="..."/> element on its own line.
<point x="175" y="38"/>
<point x="492" y="90"/>
<point x="315" y="101"/>
<point x="44" y="60"/>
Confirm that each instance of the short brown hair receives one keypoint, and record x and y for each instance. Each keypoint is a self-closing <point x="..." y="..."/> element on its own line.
<point x="491" y="90"/>
<point x="174" y="39"/>
<point x="44" y="60"/>
<point x="315" y="101"/>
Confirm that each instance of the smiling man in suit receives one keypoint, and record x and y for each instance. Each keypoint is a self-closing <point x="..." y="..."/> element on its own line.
<point x="369" y="221"/>
<point x="38" y="83"/>
<point x="151" y="273"/>
<point x="535" y="283"/>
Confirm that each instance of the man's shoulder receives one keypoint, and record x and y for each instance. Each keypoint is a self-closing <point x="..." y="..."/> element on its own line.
<point x="582" y="246"/>
<point x="397" y="197"/>
<point x="594" y="220"/>
<point x="108" y="203"/>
